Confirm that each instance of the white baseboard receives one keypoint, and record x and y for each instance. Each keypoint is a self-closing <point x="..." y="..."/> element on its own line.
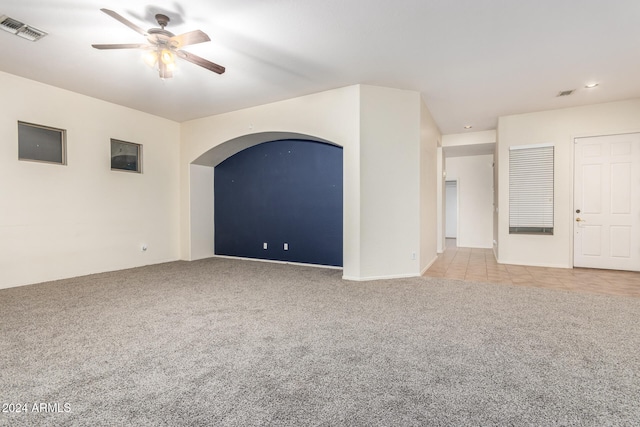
<point x="424" y="270"/>
<point x="369" y="278"/>
<point x="532" y="264"/>
<point x="274" y="261"/>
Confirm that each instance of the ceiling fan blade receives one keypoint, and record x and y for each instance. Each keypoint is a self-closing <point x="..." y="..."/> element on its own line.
<point x="120" y="46"/>
<point x="195" y="59"/>
<point x="191" y="37"/>
<point x="125" y="21"/>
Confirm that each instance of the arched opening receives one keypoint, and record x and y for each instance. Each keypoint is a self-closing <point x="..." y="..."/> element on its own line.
<point x="291" y="221"/>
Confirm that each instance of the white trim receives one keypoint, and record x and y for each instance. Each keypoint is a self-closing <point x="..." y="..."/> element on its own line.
<point x="524" y="147"/>
<point x="274" y="261"/>
<point x="575" y="138"/>
<point x="527" y="264"/>
<point x="572" y="227"/>
<point x="424" y="270"/>
<point x="370" y="278"/>
<point x="609" y="133"/>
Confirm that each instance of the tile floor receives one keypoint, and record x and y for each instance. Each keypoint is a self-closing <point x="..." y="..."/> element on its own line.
<point x="479" y="265"/>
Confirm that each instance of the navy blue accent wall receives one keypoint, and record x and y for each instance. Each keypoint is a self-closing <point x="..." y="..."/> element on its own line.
<point x="279" y="192"/>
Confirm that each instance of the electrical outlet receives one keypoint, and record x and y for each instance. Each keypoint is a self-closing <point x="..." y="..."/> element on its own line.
<point x="286" y="246"/>
<point x="264" y="245"/>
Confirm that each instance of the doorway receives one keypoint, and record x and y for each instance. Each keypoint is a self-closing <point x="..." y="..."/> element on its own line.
<point x="451" y="209"/>
<point x="607" y="202"/>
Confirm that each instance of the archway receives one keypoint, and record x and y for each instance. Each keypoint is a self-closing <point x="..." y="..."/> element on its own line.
<point x="202" y="191"/>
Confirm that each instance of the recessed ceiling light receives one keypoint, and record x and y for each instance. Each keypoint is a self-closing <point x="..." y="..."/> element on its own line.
<point x="468" y="127"/>
<point x="591" y="85"/>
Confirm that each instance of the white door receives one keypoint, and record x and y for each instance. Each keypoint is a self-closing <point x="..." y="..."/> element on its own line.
<point x="607" y="202"/>
<point x="451" y="209"/>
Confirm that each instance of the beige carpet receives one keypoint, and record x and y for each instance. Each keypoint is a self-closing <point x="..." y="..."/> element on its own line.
<point x="237" y="343"/>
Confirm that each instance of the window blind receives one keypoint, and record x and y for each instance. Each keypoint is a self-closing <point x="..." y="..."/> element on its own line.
<point x="531" y="189"/>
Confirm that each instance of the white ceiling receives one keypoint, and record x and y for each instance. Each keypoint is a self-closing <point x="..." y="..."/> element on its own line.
<point x="472" y="60"/>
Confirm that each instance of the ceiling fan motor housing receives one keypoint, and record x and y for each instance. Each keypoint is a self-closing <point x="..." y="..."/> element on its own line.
<point x="158" y="36"/>
<point x="163" y="20"/>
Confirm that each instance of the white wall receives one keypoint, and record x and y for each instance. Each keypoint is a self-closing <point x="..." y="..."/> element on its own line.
<point x="475" y="199"/>
<point x="469" y="138"/>
<point x="496" y="202"/>
<point x="467" y="143"/>
<point x="82" y="218"/>
<point x="63" y="221"/>
<point x="201" y="210"/>
<point x="431" y="167"/>
<point x="440" y="210"/>
<point x="558" y="127"/>
<point x="390" y="182"/>
<point x="332" y="116"/>
<point x="451" y="210"/>
<point x="380" y="132"/>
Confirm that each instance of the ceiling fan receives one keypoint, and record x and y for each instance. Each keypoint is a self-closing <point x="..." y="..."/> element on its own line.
<point x="163" y="46"/>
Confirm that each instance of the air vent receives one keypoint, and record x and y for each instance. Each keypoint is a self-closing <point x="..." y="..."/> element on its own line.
<point x="565" y="92"/>
<point x="10" y="25"/>
<point x="31" y="33"/>
<point x="20" y="29"/>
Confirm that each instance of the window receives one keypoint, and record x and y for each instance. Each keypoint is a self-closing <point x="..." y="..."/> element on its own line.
<point x="531" y="189"/>
<point x="41" y="143"/>
<point x="126" y="156"/>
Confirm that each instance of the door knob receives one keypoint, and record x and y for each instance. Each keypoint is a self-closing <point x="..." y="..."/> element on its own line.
<point x="580" y="220"/>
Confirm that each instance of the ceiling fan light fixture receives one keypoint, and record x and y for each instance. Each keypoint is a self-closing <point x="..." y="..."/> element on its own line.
<point x="150" y="58"/>
<point x="163" y="46"/>
<point x="167" y="57"/>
